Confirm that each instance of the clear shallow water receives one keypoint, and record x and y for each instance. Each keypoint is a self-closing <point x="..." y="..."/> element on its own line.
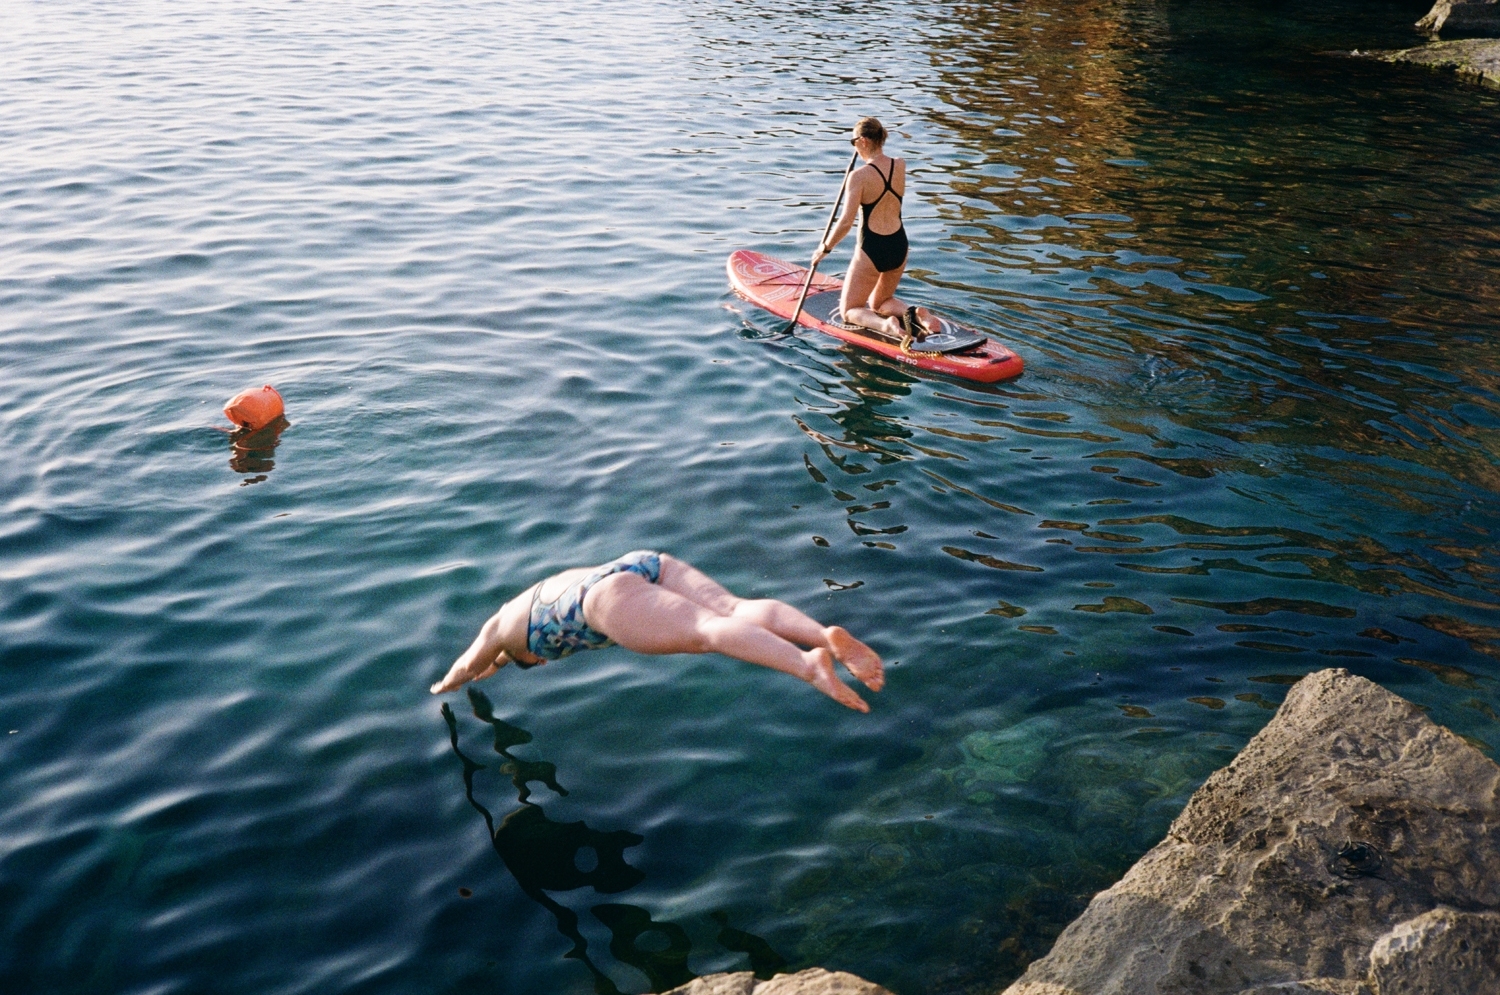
<point x="479" y="248"/>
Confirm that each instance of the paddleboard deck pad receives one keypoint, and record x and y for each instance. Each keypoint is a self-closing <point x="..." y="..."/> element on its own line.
<point x="824" y="307"/>
<point x="957" y="350"/>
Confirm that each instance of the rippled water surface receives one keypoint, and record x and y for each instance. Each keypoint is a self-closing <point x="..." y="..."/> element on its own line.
<point x="479" y="247"/>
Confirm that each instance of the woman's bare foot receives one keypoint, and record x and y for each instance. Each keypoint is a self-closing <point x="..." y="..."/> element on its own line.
<point x="826" y="680"/>
<point x="861" y="661"/>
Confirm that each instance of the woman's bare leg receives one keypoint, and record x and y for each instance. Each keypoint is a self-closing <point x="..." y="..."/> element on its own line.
<point x="883" y="300"/>
<point x="869" y="299"/>
<point x="859" y="289"/>
<point x="777" y="617"/>
<point x="648" y="618"/>
<point x="697" y="586"/>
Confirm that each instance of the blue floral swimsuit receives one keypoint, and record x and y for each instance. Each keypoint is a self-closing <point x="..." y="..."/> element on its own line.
<point x="557" y="628"/>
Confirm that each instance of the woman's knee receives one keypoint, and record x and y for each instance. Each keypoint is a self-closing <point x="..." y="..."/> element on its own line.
<point x="714" y="632"/>
<point x="700" y="643"/>
<point x="753" y="609"/>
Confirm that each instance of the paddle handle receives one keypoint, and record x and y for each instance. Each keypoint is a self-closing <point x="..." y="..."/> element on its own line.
<point x="802" y="297"/>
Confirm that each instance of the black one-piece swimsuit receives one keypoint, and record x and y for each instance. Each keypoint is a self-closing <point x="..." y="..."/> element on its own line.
<point x="887" y="252"/>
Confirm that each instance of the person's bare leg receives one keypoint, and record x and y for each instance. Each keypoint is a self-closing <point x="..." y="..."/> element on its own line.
<point x="883" y="301"/>
<point x="792" y="625"/>
<point x="777" y="616"/>
<point x="859" y="287"/>
<point x="926" y="317"/>
<point x="697" y="586"/>
<point x="648" y="618"/>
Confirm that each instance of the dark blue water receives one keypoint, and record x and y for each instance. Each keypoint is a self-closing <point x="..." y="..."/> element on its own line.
<point x="479" y="248"/>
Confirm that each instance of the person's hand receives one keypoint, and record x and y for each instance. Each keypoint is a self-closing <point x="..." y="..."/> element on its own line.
<point x="469" y="667"/>
<point x="820" y="255"/>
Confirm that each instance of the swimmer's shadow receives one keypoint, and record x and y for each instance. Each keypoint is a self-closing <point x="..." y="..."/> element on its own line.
<point x="544" y="855"/>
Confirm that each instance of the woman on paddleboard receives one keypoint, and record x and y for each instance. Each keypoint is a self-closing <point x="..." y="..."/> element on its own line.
<point x="873" y="197"/>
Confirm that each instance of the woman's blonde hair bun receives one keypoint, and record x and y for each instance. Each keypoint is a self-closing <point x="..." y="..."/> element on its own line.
<point x="871" y="128"/>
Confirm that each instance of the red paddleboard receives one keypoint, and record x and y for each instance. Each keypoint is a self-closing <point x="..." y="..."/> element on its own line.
<point x="774" y="285"/>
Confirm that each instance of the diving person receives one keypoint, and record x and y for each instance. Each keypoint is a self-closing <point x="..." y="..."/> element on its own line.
<point x="656" y="604"/>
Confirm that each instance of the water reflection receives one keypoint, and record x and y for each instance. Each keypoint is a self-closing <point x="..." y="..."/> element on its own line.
<point x="854" y="396"/>
<point x="1256" y="438"/>
<point x="545" y="856"/>
<point x="859" y="438"/>
<point x="1225" y="298"/>
<point x="254" y="452"/>
<point x="1115" y="204"/>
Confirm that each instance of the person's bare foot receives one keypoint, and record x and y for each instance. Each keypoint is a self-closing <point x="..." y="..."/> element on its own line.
<point x="826" y="680"/>
<point x="861" y="661"/>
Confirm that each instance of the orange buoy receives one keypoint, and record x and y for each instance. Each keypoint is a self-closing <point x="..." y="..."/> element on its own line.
<point x="253" y="410"/>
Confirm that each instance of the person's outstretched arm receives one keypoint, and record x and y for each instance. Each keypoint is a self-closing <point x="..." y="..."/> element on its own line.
<point x="498" y="643"/>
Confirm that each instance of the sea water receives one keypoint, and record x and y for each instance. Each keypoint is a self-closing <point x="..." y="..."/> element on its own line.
<point x="479" y="248"/>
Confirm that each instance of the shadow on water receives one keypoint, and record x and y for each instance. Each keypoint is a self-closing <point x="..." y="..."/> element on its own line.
<point x="253" y="453"/>
<point x="545" y="856"/>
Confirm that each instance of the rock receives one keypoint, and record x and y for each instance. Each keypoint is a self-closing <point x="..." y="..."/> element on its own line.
<point x="1347" y="815"/>
<point x="813" y="981"/>
<point x="1469" y="17"/>
<point x="1312" y="986"/>
<point x="738" y="983"/>
<point x="1439" y="951"/>
<point x="1475" y="58"/>
<point x="816" y="981"/>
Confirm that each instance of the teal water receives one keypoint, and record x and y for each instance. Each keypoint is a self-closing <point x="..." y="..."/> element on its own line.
<point x="479" y="248"/>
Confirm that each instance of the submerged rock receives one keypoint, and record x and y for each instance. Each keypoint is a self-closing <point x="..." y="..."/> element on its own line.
<point x="1011" y="755"/>
<point x="1352" y="848"/>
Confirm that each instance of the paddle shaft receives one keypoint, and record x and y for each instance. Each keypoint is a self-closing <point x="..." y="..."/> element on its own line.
<point x="802" y="297"/>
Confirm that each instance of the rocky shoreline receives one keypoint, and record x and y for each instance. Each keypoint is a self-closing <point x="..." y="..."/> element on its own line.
<point x="813" y="981"/>
<point x="1351" y="848"/>
<point x="1476" y="59"/>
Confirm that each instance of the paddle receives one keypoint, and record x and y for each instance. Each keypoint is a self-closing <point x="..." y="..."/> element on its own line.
<point x="802" y="298"/>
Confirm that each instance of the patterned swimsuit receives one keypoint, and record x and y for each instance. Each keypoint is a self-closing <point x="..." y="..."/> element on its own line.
<point x="557" y="627"/>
